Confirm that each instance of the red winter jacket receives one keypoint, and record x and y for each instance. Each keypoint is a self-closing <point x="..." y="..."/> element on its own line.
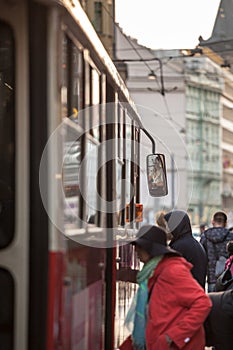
<point x="177" y="307"/>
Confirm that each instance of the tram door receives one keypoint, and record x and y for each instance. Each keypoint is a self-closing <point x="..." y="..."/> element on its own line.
<point x="13" y="179"/>
<point x="7" y="179"/>
<point x="127" y="268"/>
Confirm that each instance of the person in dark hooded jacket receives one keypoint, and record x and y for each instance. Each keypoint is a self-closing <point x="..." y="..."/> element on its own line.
<point x="214" y="241"/>
<point x="219" y="323"/>
<point x="179" y="225"/>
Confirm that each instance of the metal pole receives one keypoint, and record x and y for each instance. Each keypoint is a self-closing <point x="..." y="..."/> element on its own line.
<point x="151" y="138"/>
<point x="172" y="181"/>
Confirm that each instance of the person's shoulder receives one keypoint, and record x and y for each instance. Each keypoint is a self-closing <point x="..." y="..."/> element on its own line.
<point x="176" y="263"/>
<point x="216" y="234"/>
<point x="177" y="269"/>
<point x="230" y="236"/>
<point x="223" y="301"/>
<point x="203" y="236"/>
<point x="208" y="232"/>
<point x="182" y="246"/>
<point x="229" y="261"/>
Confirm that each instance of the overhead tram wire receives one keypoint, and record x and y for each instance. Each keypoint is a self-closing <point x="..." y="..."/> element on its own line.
<point x="162" y="90"/>
<point x="141" y="59"/>
<point x="183" y="55"/>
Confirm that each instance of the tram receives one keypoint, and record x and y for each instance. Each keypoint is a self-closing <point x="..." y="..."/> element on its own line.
<point x="70" y="175"/>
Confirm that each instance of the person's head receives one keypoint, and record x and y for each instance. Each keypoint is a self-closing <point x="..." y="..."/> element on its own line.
<point x="178" y="223"/>
<point x="219" y="219"/>
<point x="151" y="241"/>
<point x="202" y="227"/>
<point x="229" y="247"/>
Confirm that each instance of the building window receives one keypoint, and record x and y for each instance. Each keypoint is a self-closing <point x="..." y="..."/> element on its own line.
<point x="98" y="19"/>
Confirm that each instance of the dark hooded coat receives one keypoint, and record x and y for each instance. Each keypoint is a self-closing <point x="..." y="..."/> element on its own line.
<point x="184" y="242"/>
<point x="214" y="241"/>
<point x="219" y="323"/>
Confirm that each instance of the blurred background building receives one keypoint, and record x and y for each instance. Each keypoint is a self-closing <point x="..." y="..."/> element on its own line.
<point x="185" y="98"/>
<point x="102" y="16"/>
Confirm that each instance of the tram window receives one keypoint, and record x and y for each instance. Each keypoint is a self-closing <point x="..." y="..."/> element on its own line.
<point x="95" y="100"/>
<point x="7" y="135"/>
<point x="137" y="162"/>
<point x="120" y="166"/>
<point x="72" y="88"/>
<point x="95" y="87"/>
<point x="7" y="310"/>
<point x="128" y="159"/>
<point x="91" y="185"/>
<point x="71" y="177"/>
<point x="120" y="133"/>
<point x="122" y="156"/>
<point x="76" y="82"/>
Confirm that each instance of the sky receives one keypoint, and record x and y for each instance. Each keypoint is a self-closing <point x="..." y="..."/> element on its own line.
<point x="167" y="24"/>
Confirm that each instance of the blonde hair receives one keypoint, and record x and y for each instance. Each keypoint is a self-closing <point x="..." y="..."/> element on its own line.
<point x="159" y="219"/>
<point x="162" y="223"/>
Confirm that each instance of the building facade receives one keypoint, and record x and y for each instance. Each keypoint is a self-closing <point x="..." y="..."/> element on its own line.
<point x="187" y="99"/>
<point x="204" y="86"/>
<point x="102" y="16"/>
<point x="227" y="146"/>
<point x="221" y="42"/>
<point x="187" y="104"/>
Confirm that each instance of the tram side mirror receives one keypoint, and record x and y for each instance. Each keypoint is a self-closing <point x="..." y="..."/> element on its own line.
<point x="156" y="175"/>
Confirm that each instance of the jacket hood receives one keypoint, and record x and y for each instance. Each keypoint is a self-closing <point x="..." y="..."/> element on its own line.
<point x="178" y="223"/>
<point x="216" y="234"/>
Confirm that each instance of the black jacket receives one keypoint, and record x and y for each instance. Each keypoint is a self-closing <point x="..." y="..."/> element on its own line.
<point x="184" y="242"/>
<point x="214" y="241"/>
<point x="219" y="323"/>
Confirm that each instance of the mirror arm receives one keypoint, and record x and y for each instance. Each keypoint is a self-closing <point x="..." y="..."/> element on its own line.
<point x="151" y="138"/>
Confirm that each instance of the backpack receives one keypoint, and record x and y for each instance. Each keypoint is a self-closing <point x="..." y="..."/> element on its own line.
<point x="225" y="280"/>
<point x="220" y="265"/>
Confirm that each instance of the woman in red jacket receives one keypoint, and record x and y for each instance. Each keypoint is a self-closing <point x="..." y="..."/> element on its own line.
<point x="171" y="306"/>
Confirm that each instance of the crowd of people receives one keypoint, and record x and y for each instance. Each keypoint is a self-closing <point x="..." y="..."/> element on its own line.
<point x="178" y="304"/>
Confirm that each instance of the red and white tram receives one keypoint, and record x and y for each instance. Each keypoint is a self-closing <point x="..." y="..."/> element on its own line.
<point x="61" y="98"/>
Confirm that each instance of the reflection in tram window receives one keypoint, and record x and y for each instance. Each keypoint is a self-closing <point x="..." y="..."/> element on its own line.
<point x="91" y="170"/>
<point x="72" y="75"/>
<point x="71" y="183"/>
<point x="95" y="100"/>
<point x="76" y="103"/>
